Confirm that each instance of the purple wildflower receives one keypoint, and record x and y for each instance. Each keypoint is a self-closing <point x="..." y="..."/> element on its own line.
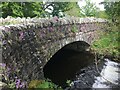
<point x="21" y="35"/>
<point x="2" y="65"/>
<point x="8" y="71"/>
<point x="17" y="83"/>
<point x="56" y="18"/>
<point x="22" y="85"/>
<point x="4" y="42"/>
<point x="51" y="29"/>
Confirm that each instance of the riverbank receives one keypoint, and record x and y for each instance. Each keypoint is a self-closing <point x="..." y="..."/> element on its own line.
<point x="108" y="43"/>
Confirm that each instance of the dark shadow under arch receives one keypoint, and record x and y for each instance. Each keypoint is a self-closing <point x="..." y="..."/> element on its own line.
<point x="67" y="61"/>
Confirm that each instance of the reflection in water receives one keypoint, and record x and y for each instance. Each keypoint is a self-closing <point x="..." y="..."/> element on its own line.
<point x="109" y="76"/>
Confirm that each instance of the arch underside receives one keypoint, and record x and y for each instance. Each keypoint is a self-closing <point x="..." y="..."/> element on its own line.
<point x="65" y="63"/>
<point x="88" y="38"/>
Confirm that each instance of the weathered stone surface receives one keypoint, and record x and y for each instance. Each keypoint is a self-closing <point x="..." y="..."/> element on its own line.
<point x="2" y="84"/>
<point x="27" y="47"/>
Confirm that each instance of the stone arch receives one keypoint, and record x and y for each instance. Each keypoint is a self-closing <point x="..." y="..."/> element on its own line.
<point x="63" y="65"/>
<point x="77" y="46"/>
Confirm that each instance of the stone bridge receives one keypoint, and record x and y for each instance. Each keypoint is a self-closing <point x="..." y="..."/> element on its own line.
<point x="28" y="45"/>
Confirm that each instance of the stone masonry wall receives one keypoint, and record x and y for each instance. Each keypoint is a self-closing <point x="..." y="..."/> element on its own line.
<point x="29" y="44"/>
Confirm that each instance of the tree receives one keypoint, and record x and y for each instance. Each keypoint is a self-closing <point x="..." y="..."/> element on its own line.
<point x="21" y="9"/>
<point x="57" y="7"/>
<point x="89" y="9"/>
<point x="102" y="14"/>
<point x="10" y="9"/>
<point x="74" y="11"/>
<point x="33" y="9"/>
<point x="112" y="9"/>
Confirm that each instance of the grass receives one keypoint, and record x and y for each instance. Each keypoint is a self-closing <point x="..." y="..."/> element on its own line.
<point x="42" y="84"/>
<point x="46" y="84"/>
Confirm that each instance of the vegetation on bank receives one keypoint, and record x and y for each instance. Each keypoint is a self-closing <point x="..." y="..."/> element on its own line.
<point x="108" y="43"/>
<point x="42" y="84"/>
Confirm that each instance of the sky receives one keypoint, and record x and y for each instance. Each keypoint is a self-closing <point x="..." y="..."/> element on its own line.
<point x="82" y="3"/>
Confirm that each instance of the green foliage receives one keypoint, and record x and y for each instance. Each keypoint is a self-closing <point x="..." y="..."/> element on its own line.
<point x="112" y="9"/>
<point x="108" y="42"/>
<point x="58" y="7"/>
<point x="102" y="14"/>
<point x="69" y="82"/>
<point x="74" y="11"/>
<point x="47" y="84"/>
<point x="74" y="29"/>
<point x="33" y="9"/>
<point x="43" y="84"/>
<point x="21" y="9"/>
<point x="12" y="85"/>
<point x="34" y="83"/>
<point x="89" y="10"/>
<point x="11" y="9"/>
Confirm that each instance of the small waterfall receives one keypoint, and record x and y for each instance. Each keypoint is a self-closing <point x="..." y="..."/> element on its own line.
<point x="109" y="75"/>
<point x="106" y="75"/>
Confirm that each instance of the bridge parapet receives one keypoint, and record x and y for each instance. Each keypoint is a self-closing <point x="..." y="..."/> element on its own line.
<point x="43" y="22"/>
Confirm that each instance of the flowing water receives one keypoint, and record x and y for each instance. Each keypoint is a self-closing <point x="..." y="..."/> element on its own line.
<point x="109" y="76"/>
<point x="81" y="68"/>
<point x="105" y="74"/>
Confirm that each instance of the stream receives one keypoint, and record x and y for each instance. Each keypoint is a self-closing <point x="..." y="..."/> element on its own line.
<point x="105" y="74"/>
<point x="81" y="68"/>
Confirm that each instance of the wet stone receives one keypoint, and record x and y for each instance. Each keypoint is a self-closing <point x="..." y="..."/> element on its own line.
<point x="89" y="76"/>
